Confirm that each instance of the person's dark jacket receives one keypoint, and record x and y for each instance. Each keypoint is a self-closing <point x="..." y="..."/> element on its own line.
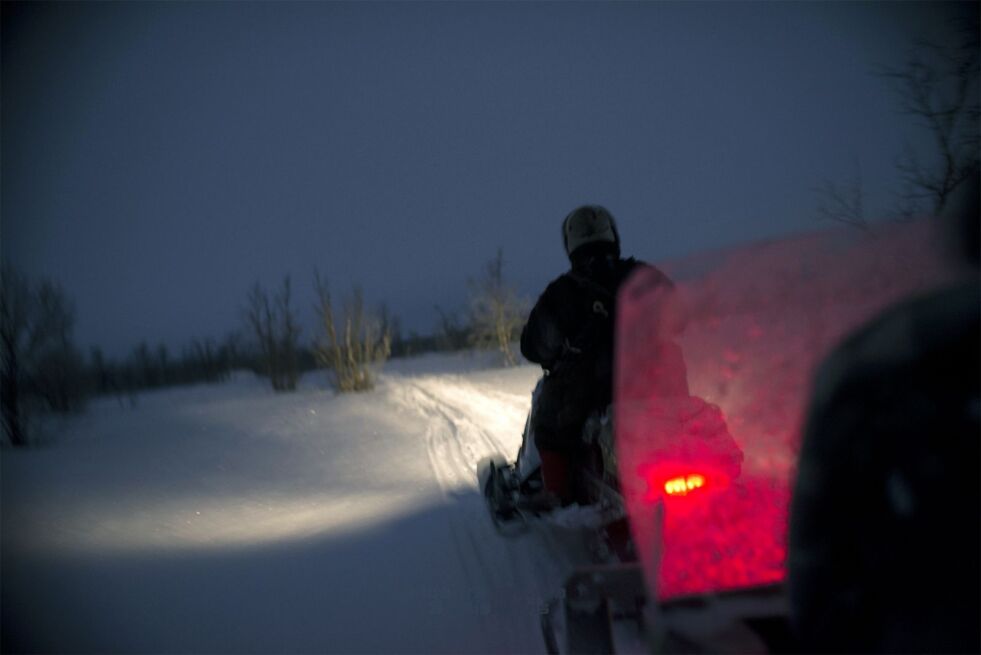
<point x="570" y="334"/>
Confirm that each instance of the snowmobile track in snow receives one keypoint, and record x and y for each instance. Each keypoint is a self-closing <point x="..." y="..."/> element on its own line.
<point x="510" y="579"/>
<point x="455" y="442"/>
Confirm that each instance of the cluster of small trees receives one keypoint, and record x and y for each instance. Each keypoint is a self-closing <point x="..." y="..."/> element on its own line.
<point x="354" y="342"/>
<point x="352" y="345"/>
<point x="492" y="321"/>
<point x="201" y="360"/>
<point x="43" y="371"/>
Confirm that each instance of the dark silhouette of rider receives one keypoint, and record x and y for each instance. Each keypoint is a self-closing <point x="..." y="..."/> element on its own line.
<point x="570" y="334"/>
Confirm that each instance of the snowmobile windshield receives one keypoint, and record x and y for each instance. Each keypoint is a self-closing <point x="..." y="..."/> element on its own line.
<point x="708" y="417"/>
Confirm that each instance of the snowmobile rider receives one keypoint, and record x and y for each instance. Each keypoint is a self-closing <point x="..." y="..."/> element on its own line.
<point x="570" y="334"/>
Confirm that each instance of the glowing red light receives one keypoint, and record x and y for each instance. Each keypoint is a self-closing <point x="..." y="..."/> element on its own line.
<point x="676" y="480"/>
<point x="683" y="484"/>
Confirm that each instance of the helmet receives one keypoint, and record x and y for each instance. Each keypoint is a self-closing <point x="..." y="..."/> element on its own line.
<point x="589" y="224"/>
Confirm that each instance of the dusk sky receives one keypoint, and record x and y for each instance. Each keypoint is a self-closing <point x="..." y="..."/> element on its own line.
<point x="158" y="159"/>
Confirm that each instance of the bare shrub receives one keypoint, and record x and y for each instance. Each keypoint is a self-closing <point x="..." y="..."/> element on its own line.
<point x="273" y="322"/>
<point x="451" y="333"/>
<point x="842" y="202"/>
<point x="496" y="311"/>
<point x="40" y="367"/>
<point x="361" y="345"/>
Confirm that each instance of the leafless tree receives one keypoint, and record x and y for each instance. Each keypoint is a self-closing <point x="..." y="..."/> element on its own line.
<point x="40" y="368"/>
<point x="203" y="357"/>
<point x="361" y="344"/>
<point x="842" y="203"/>
<point x="451" y="333"/>
<point x="289" y="335"/>
<point x="258" y="315"/>
<point x="274" y="325"/>
<point x="496" y="311"/>
<point x="391" y="325"/>
<point x="938" y="85"/>
<point x="232" y="352"/>
<point x="14" y="322"/>
<point x="145" y="365"/>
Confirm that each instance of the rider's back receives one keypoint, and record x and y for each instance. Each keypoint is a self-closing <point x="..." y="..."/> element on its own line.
<point x="570" y="334"/>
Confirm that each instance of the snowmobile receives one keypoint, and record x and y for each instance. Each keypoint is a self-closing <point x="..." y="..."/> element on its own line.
<point x="603" y="605"/>
<point x="709" y="529"/>
<point x="516" y="498"/>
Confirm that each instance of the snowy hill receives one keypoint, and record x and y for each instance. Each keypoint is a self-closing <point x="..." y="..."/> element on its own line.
<point x="228" y="518"/>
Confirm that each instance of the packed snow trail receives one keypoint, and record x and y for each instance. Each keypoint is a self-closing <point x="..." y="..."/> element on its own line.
<point x="228" y="518"/>
<point x="470" y="419"/>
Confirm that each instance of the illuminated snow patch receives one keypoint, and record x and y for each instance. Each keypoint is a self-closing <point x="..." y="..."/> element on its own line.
<point x="215" y="522"/>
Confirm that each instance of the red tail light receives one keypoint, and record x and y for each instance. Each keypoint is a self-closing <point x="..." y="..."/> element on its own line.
<point x="684" y="484"/>
<point x="669" y="480"/>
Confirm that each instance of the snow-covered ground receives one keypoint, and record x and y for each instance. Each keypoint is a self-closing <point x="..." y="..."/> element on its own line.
<point x="227" y="518"/>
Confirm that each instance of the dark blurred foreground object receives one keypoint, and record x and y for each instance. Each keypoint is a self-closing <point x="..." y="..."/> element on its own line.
<point x="885" y="521"/>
